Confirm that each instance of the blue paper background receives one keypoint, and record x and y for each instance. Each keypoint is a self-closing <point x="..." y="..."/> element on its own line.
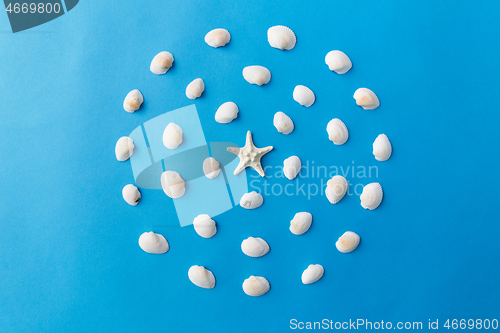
<point x="69" y="258"/>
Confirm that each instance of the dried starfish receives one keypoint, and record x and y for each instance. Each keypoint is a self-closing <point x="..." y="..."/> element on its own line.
<point x="250" y="156"/>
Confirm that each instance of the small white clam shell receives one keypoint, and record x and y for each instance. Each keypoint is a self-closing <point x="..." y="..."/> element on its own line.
<point x="291" y="167"/>
<point x="304" y="96"/>
<point x="338" y="62"/>
<point x="217" y="37"/>
<point x="201" y="277"/>
<point x="133" y="101"/>
<point x="300" y="223"/>
<point x="161" y="63"/>
<point x="204" y="226"/>
<point x="172" y="136"/>
<point x="312" y="274"/>
<point x="281" y="37"/>
<point x="256" y="286"/>
<point x="337" y="131"/>
<point x="251" y="200"/>
<point x="283" y="123"/>
<point x="257" y="75"/>
<point x="254" y="247"/>
<point x="372" y="196"/>
<point x="382" y="148"/>
<point x="226" y="113"/>
<point x="348" y="242"/>
<point x="172" y="184"/>
<point x="366" y="98"/>
<point x="131" y="194"/>
<point x="153" y="243"/>
<point x="195" y="88"/>
<point x="336" y="188"/>
<point x="211" y="167"/>
<point x="124" y="148"/>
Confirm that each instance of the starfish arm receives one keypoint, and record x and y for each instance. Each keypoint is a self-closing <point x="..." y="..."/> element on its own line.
<point x="249" y="141"/>
<point x="265" y="150"/>
<point x="233" y="150"/>
<point x="239" y="168"/>
<point x="259" y="169"/>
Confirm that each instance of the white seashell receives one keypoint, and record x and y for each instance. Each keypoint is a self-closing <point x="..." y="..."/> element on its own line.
<point x="382" y="148"/>
<point x="291" y="167"/>
<point x="226" y="113"/>
<point x="338" y="62"/>
<point x="211" y="168"/>
<point x="256" y="286"/>
<point x="153" y="243"/>
<point x="133" y="101"/>
<point x="172" y="184"/>
<point x="301" y="223"/>
<point x="124" y="148"/>
<point x="204" y="226"/>
<point x="366" y="98"/>
<point x="336" y="188"/>
<point x="281" y="37"/>
<point x="337" y="131"/>
<point x="172" y="136"/>
<point x="348" y="242"/>
<point x="303" y="95"/>
<point x="217" y="37"/>
<point x="131" y="194"/>
<point x="257" y="75"/>
<point x="254" y="247"/>
<point x="195" y="88"/>
<point x="251" y="200"/>
<point x="201" y="277"/>
<point x="312" y="274"/>
<point x="161" y="63"/>
<point x="283" y="123"/>
<point x="372" y="196"/>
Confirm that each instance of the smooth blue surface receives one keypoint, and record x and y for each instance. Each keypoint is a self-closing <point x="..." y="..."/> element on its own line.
<point x="69" y="258"/>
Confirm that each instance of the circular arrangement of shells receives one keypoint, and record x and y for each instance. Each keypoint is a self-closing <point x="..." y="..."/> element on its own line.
<point x="282" y="38"/>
